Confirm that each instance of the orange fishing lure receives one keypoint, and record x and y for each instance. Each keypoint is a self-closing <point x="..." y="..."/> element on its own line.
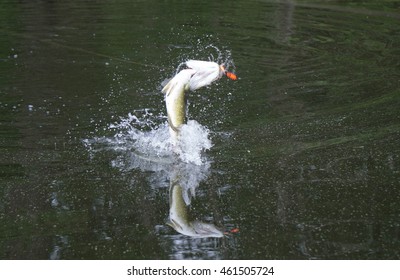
<point x="231" y="76"/>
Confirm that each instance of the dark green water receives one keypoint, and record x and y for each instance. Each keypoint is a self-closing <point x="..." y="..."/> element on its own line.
<point x="305" y="158"/>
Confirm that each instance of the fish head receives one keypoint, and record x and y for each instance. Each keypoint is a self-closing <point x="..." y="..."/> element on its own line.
<point x="206" y="72"/>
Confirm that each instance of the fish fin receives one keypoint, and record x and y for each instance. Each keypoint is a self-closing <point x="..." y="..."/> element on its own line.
<point x="174" y="225"/>
<point x="165" y="82"/>
<point x="167" y="88"/>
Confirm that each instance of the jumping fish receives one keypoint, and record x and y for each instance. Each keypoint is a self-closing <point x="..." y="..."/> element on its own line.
<point x="199" y="74"/>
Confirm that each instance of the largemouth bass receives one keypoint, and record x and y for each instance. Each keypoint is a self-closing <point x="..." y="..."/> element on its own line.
<point x="199" y="74"/>
<point x="175" y="100"/>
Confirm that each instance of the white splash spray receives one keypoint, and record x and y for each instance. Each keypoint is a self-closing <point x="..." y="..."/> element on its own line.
<point x="133" y="142"/>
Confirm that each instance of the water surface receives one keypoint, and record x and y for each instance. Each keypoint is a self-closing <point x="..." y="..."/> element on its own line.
<point x="305" y="145"/>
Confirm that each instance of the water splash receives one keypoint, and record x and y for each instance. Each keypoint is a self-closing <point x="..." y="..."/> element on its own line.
<point x="139" y="142"/>
<point x="194" y="139"/>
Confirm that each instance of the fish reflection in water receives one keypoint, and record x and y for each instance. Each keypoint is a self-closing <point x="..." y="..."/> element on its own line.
<point x="181" y="191"/>
<point x="184" y="179"/>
